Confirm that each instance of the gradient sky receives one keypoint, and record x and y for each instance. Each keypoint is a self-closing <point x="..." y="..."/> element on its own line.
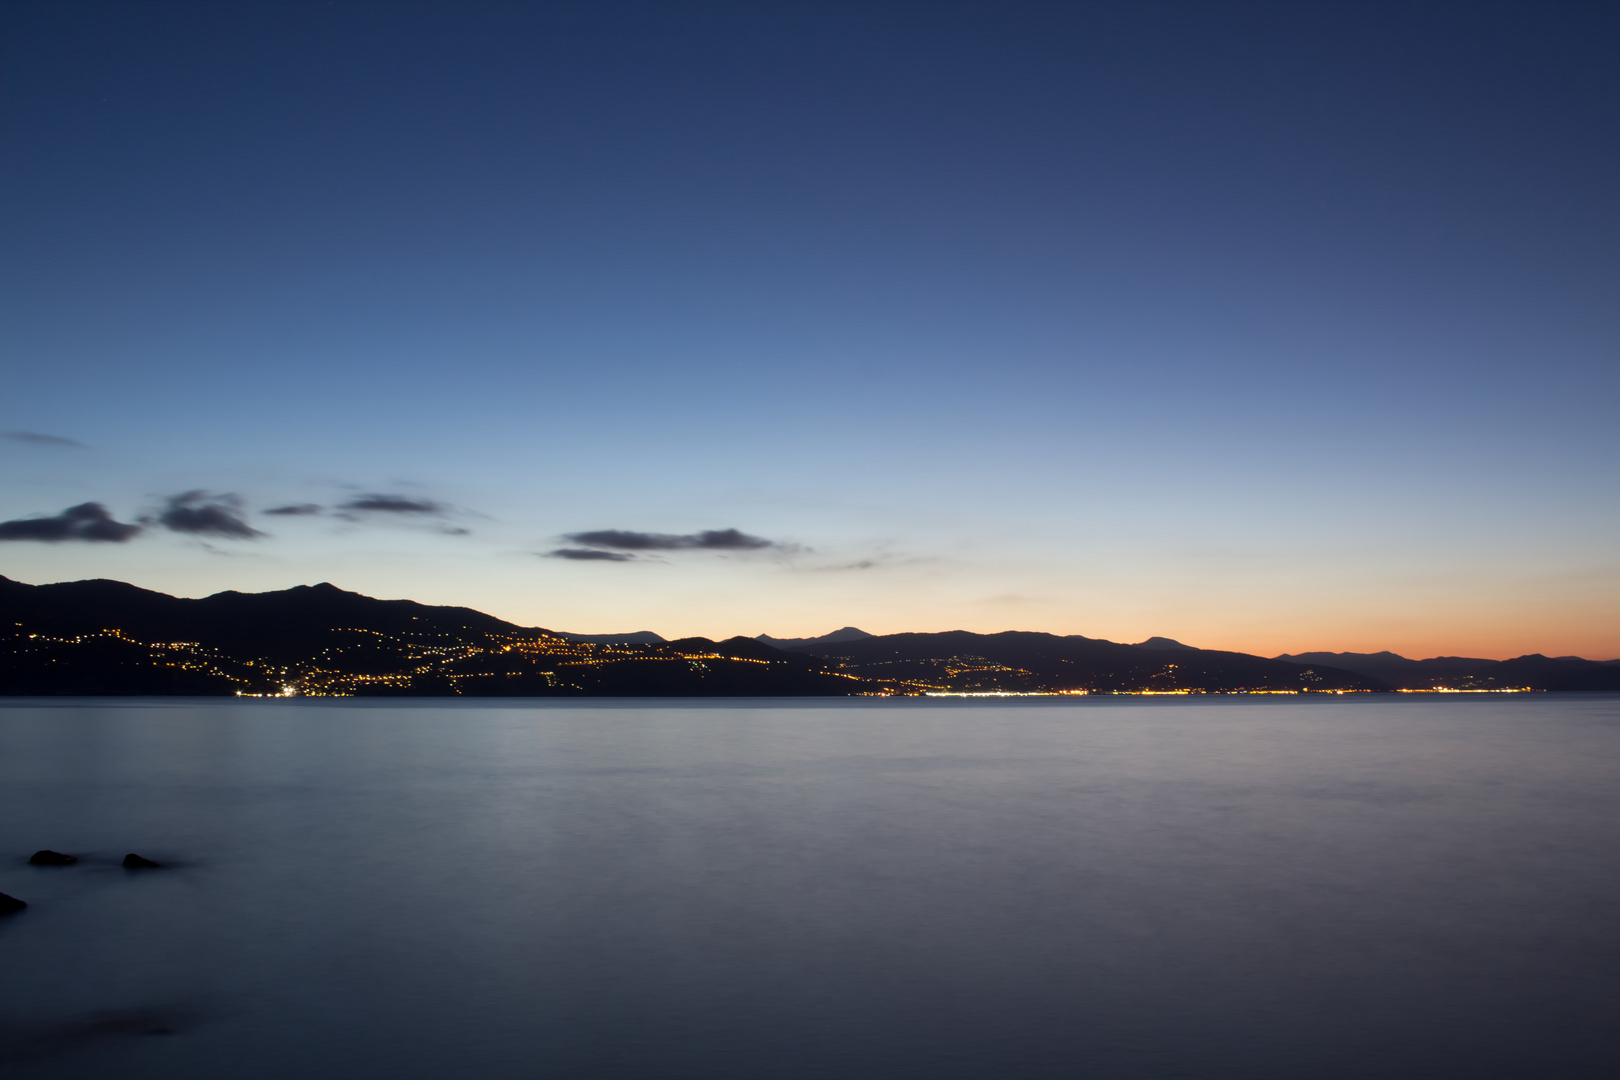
<point x="1271" y="327"/>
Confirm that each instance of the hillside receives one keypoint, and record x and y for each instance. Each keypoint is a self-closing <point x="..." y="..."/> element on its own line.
<point x="1535" y="671"/>
<point x="110" y="638"/>
<point x="847" y="633"/>
<point x="1034" y="662"/>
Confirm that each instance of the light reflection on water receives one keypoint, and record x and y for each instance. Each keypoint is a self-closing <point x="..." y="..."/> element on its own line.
<point x="1168" y="888"/>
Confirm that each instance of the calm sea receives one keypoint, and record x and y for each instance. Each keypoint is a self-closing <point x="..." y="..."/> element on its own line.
<point x="1117" y="888"/>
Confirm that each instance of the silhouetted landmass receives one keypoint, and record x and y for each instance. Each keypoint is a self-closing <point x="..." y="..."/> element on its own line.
<point x="1164" y="643"/>
<point x="635" y="637"/>
<point x="109" y="638"/>
<point x="1534" y="672"/>
<point x="848" y="633"/>
<point x="1031" y="662"/>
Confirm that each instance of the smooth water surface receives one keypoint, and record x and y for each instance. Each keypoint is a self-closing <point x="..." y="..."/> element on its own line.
<point x="1113" y="888"/>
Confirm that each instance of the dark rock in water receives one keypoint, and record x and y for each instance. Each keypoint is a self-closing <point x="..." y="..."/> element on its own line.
<point x="48" y="857"/>
<point x="10" y="905"/>
<point x="133" y="861"/>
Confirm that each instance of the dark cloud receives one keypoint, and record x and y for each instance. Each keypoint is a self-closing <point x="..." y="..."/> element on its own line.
<point x="708" y="540"/>
<point x="588" y="555"/>
<point x="393" y="504"/>
<point x="39" y="439"/>
<point x="296" y="510"/>
<point x="87" y="521"/>
<point x="202" y="514"/>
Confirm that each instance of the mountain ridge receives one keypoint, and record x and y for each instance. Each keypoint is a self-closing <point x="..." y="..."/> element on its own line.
<point x="634" y="637"/>
<point x="1471" y="673"/>
<point x="109" y="637"/>
<point x="846" y="633"/>
<point x="1024" y="661"/>
<point x="105" y="637"/>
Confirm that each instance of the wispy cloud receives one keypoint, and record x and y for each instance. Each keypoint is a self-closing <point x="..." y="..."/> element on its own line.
<point x="376" y="507"/>
<point x="200" y="513"/>
<point x="588" y="555"/>
<point x="708" y="540"/>
<point x="88" y="521"/>
<point x="40" y="439"/>
<point x="392" y="504"/>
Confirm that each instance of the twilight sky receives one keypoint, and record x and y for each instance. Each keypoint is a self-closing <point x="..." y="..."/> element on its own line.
<point x="1264" y="326"/>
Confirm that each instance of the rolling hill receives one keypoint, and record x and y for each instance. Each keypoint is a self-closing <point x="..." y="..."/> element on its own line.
<point x="110" y="638"/>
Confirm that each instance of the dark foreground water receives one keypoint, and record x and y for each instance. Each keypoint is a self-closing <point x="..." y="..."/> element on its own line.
<point x="1109" y="888"/>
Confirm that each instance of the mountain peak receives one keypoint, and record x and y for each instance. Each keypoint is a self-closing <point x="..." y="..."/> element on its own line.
<point x="634" y="637"/>
<point x="843" y="634"/>
<point x="1164" y="643"/>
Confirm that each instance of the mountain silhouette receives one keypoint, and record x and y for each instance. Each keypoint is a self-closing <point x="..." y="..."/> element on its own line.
<point x="1035" y="662"/>
<point x="635" y="637"/>
<point x="111" y="638"/>
<point x="108" y="637"/>
<point x="1534" y="671"/>
<point x="1163" y="643"/>
<point x="848" y="633"/>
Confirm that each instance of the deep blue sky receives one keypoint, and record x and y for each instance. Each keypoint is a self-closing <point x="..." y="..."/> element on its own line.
<point x="1265" y="326"/>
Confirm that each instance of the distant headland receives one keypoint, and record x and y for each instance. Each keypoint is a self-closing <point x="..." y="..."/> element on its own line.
<point x="97" y="638"/>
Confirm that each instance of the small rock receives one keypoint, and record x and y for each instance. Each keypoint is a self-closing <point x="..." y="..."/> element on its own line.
<point x="133" y="861"/>
<point x="48" y="857"/>
<point x="10" y="905"/>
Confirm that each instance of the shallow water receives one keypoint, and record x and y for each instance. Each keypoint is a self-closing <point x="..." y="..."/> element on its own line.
<point x="1114" y="888"/>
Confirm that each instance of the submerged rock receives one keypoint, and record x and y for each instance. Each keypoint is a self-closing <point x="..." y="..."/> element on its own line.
<point x="10" y="905"/>
<point x="133" y="861"/>
<point x="47" y="857"/>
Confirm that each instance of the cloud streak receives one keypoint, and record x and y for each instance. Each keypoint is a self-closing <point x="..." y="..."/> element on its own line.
<point x="88" y="522"/>
<point x="708" y="540"/>
<point x="373" y="508"/>
<point x="40" y="439"/>
<point x="198" y="513"/>
<point x="392" y="504"/>
<point x="588" y="555"/>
